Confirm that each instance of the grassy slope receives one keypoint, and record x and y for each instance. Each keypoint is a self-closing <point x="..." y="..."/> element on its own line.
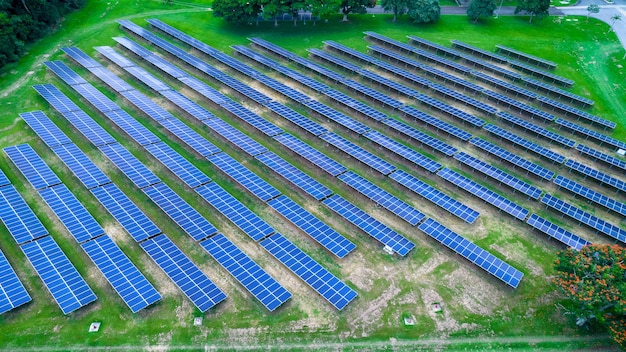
<point x="584" y="53"/>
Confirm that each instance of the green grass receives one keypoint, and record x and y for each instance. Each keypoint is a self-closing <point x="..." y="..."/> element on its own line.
<point x="584" y="54"/>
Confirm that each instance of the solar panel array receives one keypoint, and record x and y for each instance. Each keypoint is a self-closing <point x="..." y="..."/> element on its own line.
<point x="522" y="55"/>
<point x="596" y="155"/>
<point x="579" y="114"/>
<point x="358" y="153"/>
<point x="590" y="194"/>
<point x="563" y="94"/>
<point x="12" y="291"/>
<point x="599" y="137"/>
<point x="18" y="218"/>
<point x="557" y="232"/>
<point x="528" y="126"/>
<point x="597" y="175"/>
<point x="523" y="143"/>
<point x="400" y="149"/>
<point x="541" y="73"/>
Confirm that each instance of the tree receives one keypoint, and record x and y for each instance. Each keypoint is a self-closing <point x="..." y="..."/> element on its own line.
<point x="593" y="8"/>
<point x="398" y="7"/>
<point x="237" y="11"/>
<point x="321" y="8"/>
<point x="594" y="279"/>
<point x="536" y="8"/>
<point x="480" y="8"/>
<point x="355" y="6"/>
<point x="614" y="19"/>
<point x="274" y="8"/>
<point x="424" y="11"/>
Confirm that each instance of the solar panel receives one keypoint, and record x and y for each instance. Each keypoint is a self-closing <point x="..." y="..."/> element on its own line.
<point x="514" y="104"/>
<point x="204" y="90"/>
<point x="136" y="291"/>
<point x="420" y="136"/>
<point x="435" y="196"/>
<point x="312" y="226"/>
<point x="81" y="166"/>
<point x="129" y="165"/>
<point x="595" y="174"/>
<point x="64" y="283"/>
<point x="18" y="218"/>
<point x="335" y="60"/>
<point x="563" y="94"/>
<point x="295" y="175"/>
<point x="435" y="123"/>
<point x="243" y="176"/>
<point x="133" y="46"/>
<point x="556" y="232"/>
<point x="80" y="57"/>
<point x="190" y="137"/>
<point x="579" y="114"/>
<point x="235" y="211"/>
<point x="506" y="86"/>
<point x="479" y="52"/>
<point x="132" y="219"/>
<point x="61" y="70"/>
<point x="135" y="130"/>
<point x="337" y="117"/>
<point x="403" y="151"/>
<point x="514" y="76"/>
<point x="358" y="153"/>
<point x="553" y="137"/>
<point x="596" y="155"/>
<point x="72" y="214"/>
<point x="584" y="217"/>
<point x="3" y="179"/>
<point x="249" y="274"/>
<point x="312" y="273"/>
<point x="499" y="175"/>
<point x="186" y="275"/>
<point x="541" y="73"/>
<point x="355" y="105"/>
<point x="526" y="144"/>
<point x="311" y="154"/>
<point x="45" y="129"/>
<point x="454" y="112"/>
<point x="97" y="135"/>
<point x="591" y="195"/>
<point x="236" y="137"/>
<point x="373" y="94"/>
<point x="484" y="193"/>
<point x="179" y="166"/>
<point x="55" y="98"/>
<point x="513" y="159"/>
<point x="530" y="58"/>
<point x="114" y="56"/>
<point x="383" y="198"/>
<point x="12" y="291"/>
<point x="146" y="105"/>
<point x="601" y="138"/>
<point x="187" y="105"/>
<point x="36" y="172"/>
<point x="252" y="119"/>
<point x="475" y="254"/>
<point x="369" y="225"/>
<point x="186" y="217"/>
<point x="434" y="46"/>
<point x="301" y="121"/>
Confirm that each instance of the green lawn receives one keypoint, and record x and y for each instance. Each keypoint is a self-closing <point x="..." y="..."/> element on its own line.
<point x="479" y="313"/>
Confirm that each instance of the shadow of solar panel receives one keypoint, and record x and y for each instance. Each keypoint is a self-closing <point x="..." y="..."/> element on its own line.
<point x="301" y="121"/>
<point x="369" y="225"/>
<point x="556" y="232"/>
<point x="403" y="151"/>
<point x="135" y="130"/>
<point x="132" y="219"/>
<point x="249" y="274"/>
<point x="136" y="291"/>
<point x="72" y="214"/>
<point x="45" y="129"/>
<point x="236" y="137"/>
<point x="236" y="212"/>
<point x="311" y="154"/>
<point x="190" y="280"/>
<point x="591" y="195"/>
<point x="18" y="218"/>
<point x="179" y="166"/>
<point x="136" y="171"/>
<point x="358" y="153"/>
<point x="186" y="217"/>
<point x="295" y="175"/>
<point x="81" y="166"/>
<point x="12" y="292"/>
<point x="383" y="198"/>
<point x="36" y="172"/>
<point x="485" y="260"/>
<point x="597" y="175"/>
<point x="312" y="226"/>
<point x="421" y="137"/>
<point x="64" y="283"/>
<point x="313" y="274"/>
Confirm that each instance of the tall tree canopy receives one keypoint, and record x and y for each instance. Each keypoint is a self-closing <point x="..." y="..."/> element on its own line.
<point x="237" y="11"/>
<point x="594" y="278"/>
<point x="535" y="8"/>
<point x="481" y="8"/>
<point x="397" y="7"/>
<point x="424" y="11"/>
<point x="355" y="6"/>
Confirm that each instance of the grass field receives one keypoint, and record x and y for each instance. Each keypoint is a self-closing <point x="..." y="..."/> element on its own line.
<point x="478" y="311"/>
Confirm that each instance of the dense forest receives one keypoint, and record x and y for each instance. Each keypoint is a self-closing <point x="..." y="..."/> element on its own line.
<point x="24" y="21"/>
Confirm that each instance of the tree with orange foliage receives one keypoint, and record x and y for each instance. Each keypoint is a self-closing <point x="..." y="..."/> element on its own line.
<point x="594" y="278"/>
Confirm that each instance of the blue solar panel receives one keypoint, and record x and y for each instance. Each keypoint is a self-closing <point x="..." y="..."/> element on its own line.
<point x="335" y="60"/>
<point x="599" y="137"/>
<point x="12" y="292"/>
<point x="146" y="105"/>
<point x="316" y="276"/>
<point x="568" y="109"/>
<point x="186" y="217"/>
<point x="373" y="94"/>
<point x="135" y="130"/>
<point x="434" y="46"/>
<point x="517" y="105"/>
<point x="242" y="175"/>
<point x="65" y="284"/>
<point x="81" y="166"/>
<point x="454" y="112"/>
<point x="4" y="180"/>
<point x="185" y="274"/>
<point x="73" y="215"/>
<point x="295" y="175"/>
<point x="191" y="107"/>
<point x="45" y="129"/>
<point x="369" y="225"/>
<point x="358" y="153"/>
<point x="61" y="70"/>
<point x="553" y="137"/>
<point x="190" y="137"/>
<point x="97" y="135"/>
<point x="114" y="56"/>
<point x="337" y="117"/>
<point x="591" y="195"/>
<point x="484" y="193"/>
<point x="435" y="123"/>
<point x="523" y="143"/>
<point x="311" y="154"/>
<point x="236" y="137"/>
<point x="128" y="164"/>
<point x="179" y="166"/>
<point x="435" y="196"/>
<point x="252" y="119"/>
<point x="506" y="86"/>
<point x="499" y="175"/>
<point x="541" y="73"/>
<point x="301" y="121"/>
<point x="18" y="218"/>
<point x="485" y="260"/>
<point x="95" y="97"/>
<point x="595" y="174"/>
<point x="249" y="274"/>
<point x="530" y="58"/>
<point x="403" y="151"/>
<point x="596" y="155"/>
<point x="420" y="136"/>
<point x="37" y="173"/>
<point x="236" y="212"/>
<point x="80" y="57"/>
<point x="355" y="105"/>
<point x="513" y="159"/>
<point x="312" y="226"/>
<point x="132" y="219"/>
<point x="121" y="273"/>
<point x="55" y="98"/>
<point x="514" y="76"/>
<point x="204" y="90"/>
<point x="556" y="232"/>
<point x="383" y="198"/>
<point x="480" y="52"/>
<point x="584" y="217"/>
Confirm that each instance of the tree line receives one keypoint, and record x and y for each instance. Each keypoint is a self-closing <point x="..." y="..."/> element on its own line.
<point x="24" y="21"/>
